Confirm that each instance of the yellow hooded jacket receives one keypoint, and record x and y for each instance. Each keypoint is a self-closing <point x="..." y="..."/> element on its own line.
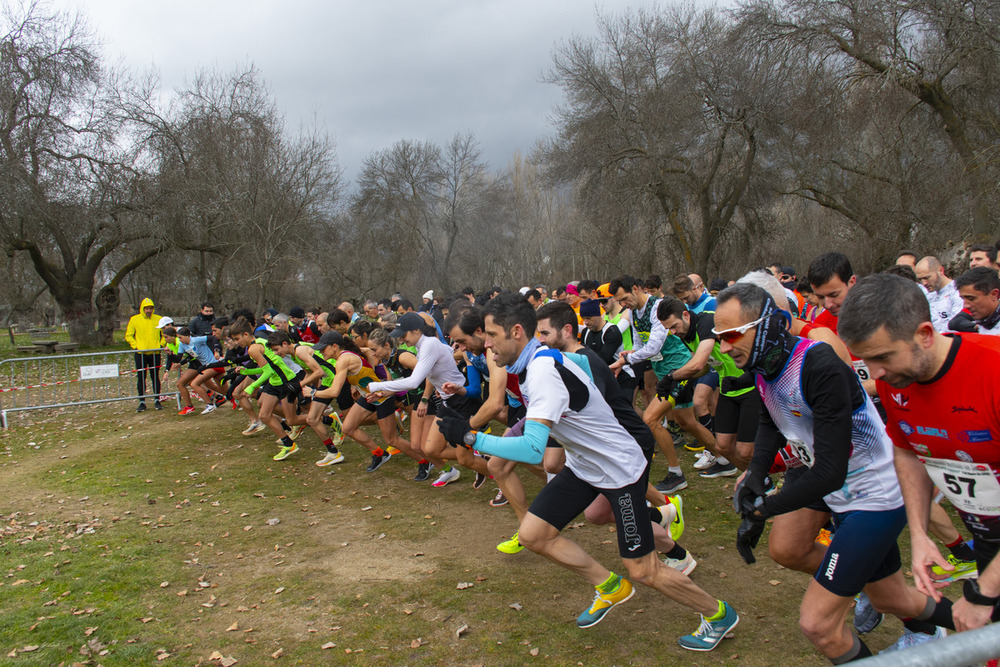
<point x="141" y="333"/>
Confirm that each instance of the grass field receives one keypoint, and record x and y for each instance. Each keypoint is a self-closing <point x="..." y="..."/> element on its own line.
<point x="153" y="539"/>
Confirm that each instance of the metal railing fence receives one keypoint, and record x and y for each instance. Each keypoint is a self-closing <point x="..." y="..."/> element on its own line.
<point x="56" y="381"/>
<point x="962" y="649"/>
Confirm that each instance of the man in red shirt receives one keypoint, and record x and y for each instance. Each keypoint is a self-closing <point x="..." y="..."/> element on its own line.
<point x="943" y="406"/>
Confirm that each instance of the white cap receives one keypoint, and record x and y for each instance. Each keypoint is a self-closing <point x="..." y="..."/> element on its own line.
<point x="164" y="321"/>
<point x="524" y="290"/>
<point x="429" y="294"/>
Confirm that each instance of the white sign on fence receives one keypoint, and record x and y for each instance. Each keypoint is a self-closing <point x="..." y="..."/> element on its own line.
<point x="98" y="372"/>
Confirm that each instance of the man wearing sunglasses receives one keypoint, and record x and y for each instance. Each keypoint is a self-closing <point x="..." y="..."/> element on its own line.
<point x="814" y="402"/>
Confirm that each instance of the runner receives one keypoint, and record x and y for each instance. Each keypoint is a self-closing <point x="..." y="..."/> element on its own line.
<point x="942" y="294"/>
<point x="944" y="417"/>
<point x="601" y="459"/>
<point x="814" y="401"/>
<point x="980" y="291"/>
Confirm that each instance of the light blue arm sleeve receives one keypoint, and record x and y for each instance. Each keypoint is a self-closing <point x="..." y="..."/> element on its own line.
<point x="527" y="448"/>
<point x="475" y="387"/>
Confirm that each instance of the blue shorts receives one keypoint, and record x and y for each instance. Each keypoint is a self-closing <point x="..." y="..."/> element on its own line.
<point x="710" y="379"/>
<point x="863" y="550"/>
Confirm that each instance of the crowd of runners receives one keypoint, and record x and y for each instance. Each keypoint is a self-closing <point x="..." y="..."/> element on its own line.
<point x="844" y="408"/>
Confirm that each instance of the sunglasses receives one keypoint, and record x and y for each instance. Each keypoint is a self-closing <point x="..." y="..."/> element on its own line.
<point x="732" y="335"/>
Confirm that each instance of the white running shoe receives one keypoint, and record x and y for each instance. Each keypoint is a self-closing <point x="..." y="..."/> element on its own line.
<point x="296" y="431"/>
<point x="684" y="565"/>
<point x="446" y="477"/>
<point x="208" y="408"/>
<point x="705" y="460"/>
<point x="330" y="459"/>
<point x="254" y="427"/>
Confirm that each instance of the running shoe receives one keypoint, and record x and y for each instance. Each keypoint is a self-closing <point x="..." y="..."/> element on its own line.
<point x="603" y="603"/>
<point x="296" y="431"/>
<point x="377" y="461"/>
<point x="338" y="429"/>
<point x="330" y="459"/>
<point x="285" y="452"/>
<point x="254" y="428"/>
<point x="705" y="460"/>
<point x="157" y="405"/>
<point x="208" y="409"/>
<point x="866" y="617"/>
<point x="964" y="569"/>
<point x="719" y="470"/>
<point x="910" y="638"/>
<point x="710" y="633"/>
<point x="220" y="400"/>
<point x="672" y="483"/>
<point x="684" y="565"/>
<point x="479" y="480"/>
<point x="677" y="525"/>
<point x="446" y="477"/>
<point x="824" y="537"/>
<point x="423" y="472"/>
<point x="511" y="546"/>
<point x="499" y="500"/>
<point x="694" y="446"/>
<point x="667" y="514"/>
<point x="399" y="424"/>
<point x="141" y="408"/>
<point x="186" y="410"/>
<point x="393" y="450"/>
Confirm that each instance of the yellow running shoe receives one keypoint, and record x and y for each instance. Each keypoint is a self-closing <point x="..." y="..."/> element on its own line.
<point x="677" y="525"/>
<point x="511" y="546"/>
<point x="393" y="450"/>
<point x="964" y="569"/>
<point x="338" y="429"/>
<point x="602" y="604"/>
<point x="824" y="537"/>
<point x="285" y="452"/>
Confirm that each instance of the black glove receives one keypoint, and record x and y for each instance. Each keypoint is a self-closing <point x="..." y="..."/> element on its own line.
<point x="750" y="493"/>
<point x="453" y="426"/>
<point x="748" y="535"/>
<point x="665" y="386"/>
<point x="294" y="388"/>
<point x="303" y="400"/>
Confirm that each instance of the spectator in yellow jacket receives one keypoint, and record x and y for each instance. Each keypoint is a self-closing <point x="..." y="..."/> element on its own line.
<point x="143" y="336"/>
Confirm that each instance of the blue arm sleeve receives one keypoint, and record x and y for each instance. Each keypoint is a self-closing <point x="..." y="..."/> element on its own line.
<point x="527" y="448"/>
<point x="475" y="387"/>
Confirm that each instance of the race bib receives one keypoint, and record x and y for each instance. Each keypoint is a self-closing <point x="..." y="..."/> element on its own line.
<point x="803" y="452"/>
<point x="861" y="369"/>
<point x="971" y="487"/>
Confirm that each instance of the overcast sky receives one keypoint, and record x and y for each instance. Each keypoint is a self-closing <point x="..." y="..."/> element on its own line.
<point x="372" y="72"/>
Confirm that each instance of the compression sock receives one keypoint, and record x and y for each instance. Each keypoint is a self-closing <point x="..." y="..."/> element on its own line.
<point x="378" y="451"/>
<point x="938" y="613"/>
<point x="285" y="426"/>
<point x="857" y="651"/>
<point x="719" y="614"/>
<point x="708" y="421"/>
<point x="328" y="443"/>
<point x="677" y="553"/>
<point x="286" y="441"/>
<point x="611" y="584"/>
<point x="961" y="550"/>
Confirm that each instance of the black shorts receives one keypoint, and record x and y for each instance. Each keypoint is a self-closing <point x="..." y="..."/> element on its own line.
<point x="324" y="401"/>
<point x="279" y="391"/>
<point x="863" y="549"/>
<point x="627" y="384"/>
<point x="640" y="369"/>
<point x="515" y="414"/>
<point x="739" y="415"/>
<point x="345" y="400"/>
<point x="566" y="496"/>
<point x="386" y="408"/>
<point x="463" y="405"/>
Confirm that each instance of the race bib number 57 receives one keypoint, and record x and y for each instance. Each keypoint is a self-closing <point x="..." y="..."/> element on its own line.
<point x="971" y="487"/>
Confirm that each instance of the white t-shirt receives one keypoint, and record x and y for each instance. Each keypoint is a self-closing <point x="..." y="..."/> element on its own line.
<point x="435" y="363"/>
<point x="945" y="304"/>
<point x="598" y="450"/>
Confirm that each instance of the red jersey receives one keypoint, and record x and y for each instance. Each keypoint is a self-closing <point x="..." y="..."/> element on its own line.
<point x="827" y="319"/>
<point x="952" y="423"/>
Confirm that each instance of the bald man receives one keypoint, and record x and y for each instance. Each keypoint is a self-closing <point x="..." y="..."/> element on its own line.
<point x="348" y="308"/>
<point x="942" y="294"/>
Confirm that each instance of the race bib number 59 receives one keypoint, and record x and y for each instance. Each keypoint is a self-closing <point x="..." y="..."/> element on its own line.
<point x="971" y="487"/>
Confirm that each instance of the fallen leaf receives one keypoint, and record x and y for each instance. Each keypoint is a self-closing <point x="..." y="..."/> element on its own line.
<point x="533" y="651"/>
<point x="29" y="649"/>
<point x="277" y="654"/>
<point x="164" y="584"/>
<point x="234" y="626"/>
<point x="774" y="582"/>
<point x="516" y="606"/>
<point x="215" y="656"/>
<point x="163" y="656"/>
<point x="89" y="631"/>
<point x="328" y="645"/>
<point x="462" y="585"/>
<point x="182" y="593"/>
<point x="462" y="629"/>
<point x="279" y="590"/>
<point x="229" y="661"/>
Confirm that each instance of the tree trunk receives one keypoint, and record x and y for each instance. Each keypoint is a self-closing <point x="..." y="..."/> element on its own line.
<point x="78" y="311"/>
<point x="107" y="301"/>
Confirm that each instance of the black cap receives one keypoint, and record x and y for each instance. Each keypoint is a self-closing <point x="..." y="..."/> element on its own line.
<point x="718" y="284"/>
<point x="329" y="338"/>
<point x="408" y="322"/>
<point x="590" y="308"/>
<point x="297" y="311"/>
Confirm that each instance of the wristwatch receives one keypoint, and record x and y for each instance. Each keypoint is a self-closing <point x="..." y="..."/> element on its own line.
<point x="469" y="439"/>
<point x="971" y="592"/>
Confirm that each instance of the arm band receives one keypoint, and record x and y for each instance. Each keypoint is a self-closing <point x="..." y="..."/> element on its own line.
<point x="527" y="448"/>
